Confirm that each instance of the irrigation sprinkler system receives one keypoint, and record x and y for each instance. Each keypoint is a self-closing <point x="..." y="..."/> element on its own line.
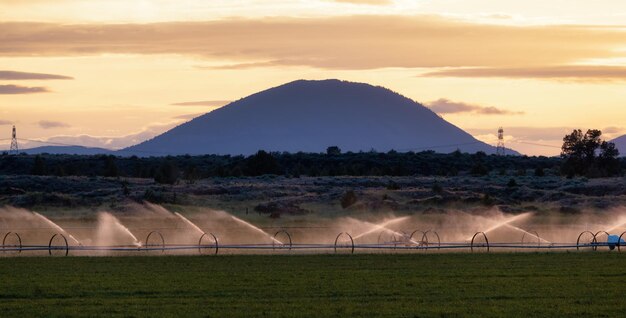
<point x="65" y="247"/>
<point x="154" y="246"/>
<point x="286" y="243"/>
<point x="530" y="234"/>
<point x="345" y="239"/>
<point x="208" y="244"/>
<point x="19" y="241"/>
<point x="620" y="240"/>
<point x="478" y="234"/>
<point x="591" y="242"/>
<point x="202" y="248"/>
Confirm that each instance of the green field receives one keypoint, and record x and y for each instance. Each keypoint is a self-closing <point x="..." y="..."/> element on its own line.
<point x="417" y="285"/>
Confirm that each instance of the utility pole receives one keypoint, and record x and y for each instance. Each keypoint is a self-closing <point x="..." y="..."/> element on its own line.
<point x="14" y="150"/>
<point x="500" y="147"/>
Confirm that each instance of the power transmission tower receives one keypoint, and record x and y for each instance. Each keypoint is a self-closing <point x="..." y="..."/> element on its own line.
<point x="14" y="149"/>
<point x="500" y="147"/>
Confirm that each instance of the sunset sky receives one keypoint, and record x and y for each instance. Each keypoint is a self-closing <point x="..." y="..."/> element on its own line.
<point x="111" y="73"/>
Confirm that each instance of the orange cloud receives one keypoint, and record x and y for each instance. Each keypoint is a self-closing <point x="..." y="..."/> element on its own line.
<point x="209" y="103"/>
<point x="370" y="2"/>
<point x="13" y="75"/>
<point x="446" y="106"/>
<point x="356" y="42"/>
<point x="565" y="72"/>
<point x="17" y="89"/>
<point x="48" y="124"/>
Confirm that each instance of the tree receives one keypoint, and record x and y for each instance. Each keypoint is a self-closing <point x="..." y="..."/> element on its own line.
<point x="262" y="163"/>
<point x="587" y="154"/>
<point x="608" y="158"/>
<point x="333" y="151"/>
<point x="191" y="174"/>
<point x="479" y="170"/>
<point x="110" y="167"/>
<point x="167" y="173"/>
<point x="39" y="166"/>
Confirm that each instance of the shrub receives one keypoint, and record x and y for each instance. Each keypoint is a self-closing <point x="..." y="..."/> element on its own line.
<point x="486" y="200"/>
<point x="437" y="187"/>
<point x="349" y="198"/>
<point x="479" y="170"/>
<point x="512" y="183"/>
<point x="392" y="185"/>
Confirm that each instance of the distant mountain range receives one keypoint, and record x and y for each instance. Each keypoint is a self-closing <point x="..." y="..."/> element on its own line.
<point x="310" y="116"/>
<point x="69" y="150"/>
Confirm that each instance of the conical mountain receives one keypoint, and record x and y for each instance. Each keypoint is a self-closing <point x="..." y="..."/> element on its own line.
<point x="310" y="116"/>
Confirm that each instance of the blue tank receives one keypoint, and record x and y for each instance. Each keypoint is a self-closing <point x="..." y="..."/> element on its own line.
<point x="612" y="241"/>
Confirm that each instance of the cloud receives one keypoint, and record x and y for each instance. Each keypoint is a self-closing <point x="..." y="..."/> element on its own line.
<point x="48" y="124"/>
<point x="501" y="16"/>
<point x="613" y="130"/>
<point x="370" y="2"/>
<point x="5" y="122"/>
<point x="114" y="142"/>
<point x="241" y="66"/>
<point x="446" y="106"/>
<point x="565" y="72"/>
<point x="16" y="89"/>
<point x="346" y="42"/>
<point x="110" y="142"/>
<point x="210" y="103"/>
<point x="188" y="116"/>
<point x="13" y="75"/>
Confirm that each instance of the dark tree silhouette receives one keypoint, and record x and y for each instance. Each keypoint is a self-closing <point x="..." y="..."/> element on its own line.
<point x="191" y="174"/>
<point x="586" y="154"/>
<point x="39" y="166"/>
<point x="262" y="163"/>
<point x="110" y="167"/>
<point x="333" y="151"/>
<point x="309" y="164"/>
<point x="167" y="173"/>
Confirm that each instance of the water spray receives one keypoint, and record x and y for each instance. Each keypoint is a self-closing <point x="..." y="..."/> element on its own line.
<point x="109" y="217"/>
<point x="113" y="236"/>
<point x="56" y="226"/>
<point x="383" y="226"/>
<point x="186" y="220"/>
<point x="380" y="226"/>
<point x="256" y="229"/>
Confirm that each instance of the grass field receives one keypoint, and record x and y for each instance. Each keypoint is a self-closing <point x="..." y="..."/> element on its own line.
<point x="417" y="285"/>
